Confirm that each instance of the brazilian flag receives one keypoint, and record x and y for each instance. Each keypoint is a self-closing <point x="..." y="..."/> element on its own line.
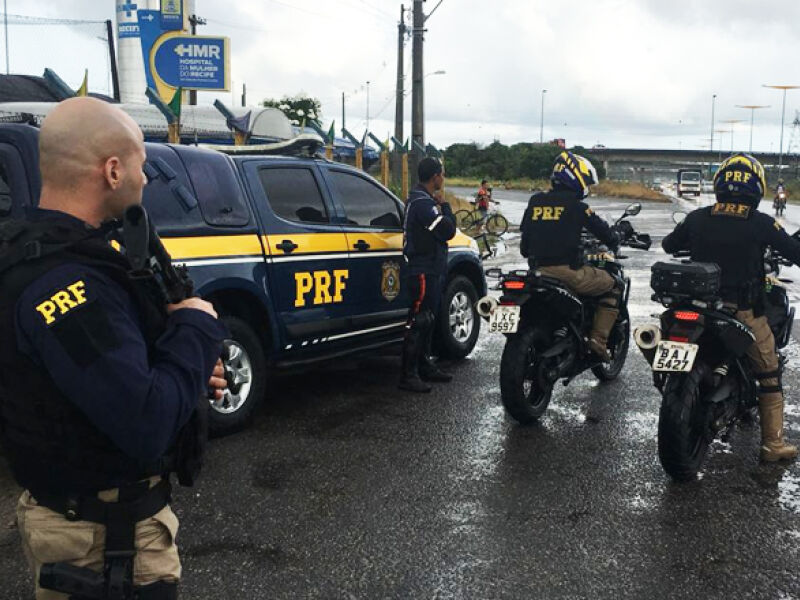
<point x="332" y="133"/>
<point x="175" y="103"/>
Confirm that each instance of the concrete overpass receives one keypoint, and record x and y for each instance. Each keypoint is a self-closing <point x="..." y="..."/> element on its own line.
<point x="646" y="165"/>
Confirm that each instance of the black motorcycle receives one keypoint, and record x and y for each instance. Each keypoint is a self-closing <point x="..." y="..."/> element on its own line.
<point x="697" y="354"/>
<point x="547" y="327"/>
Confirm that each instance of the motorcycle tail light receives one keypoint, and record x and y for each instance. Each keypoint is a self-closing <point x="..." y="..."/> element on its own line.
<point x="678" y="338"/>
<point x="686" y="315"/>
<point x="513" y="285"/>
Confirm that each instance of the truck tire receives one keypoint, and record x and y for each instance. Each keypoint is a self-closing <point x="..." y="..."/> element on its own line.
<point x="458" y="324"/>
<point x="249" y="366"/>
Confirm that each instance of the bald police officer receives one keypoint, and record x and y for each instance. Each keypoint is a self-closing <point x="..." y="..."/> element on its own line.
<point x="98" y="381"/>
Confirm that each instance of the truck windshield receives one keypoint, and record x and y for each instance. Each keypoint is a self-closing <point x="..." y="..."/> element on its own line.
<point x="692" y="176"/>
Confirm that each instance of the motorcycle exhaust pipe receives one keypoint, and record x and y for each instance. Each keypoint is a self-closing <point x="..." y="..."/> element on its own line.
<point x="647" y="338"/>
<point x="485" y="306"/>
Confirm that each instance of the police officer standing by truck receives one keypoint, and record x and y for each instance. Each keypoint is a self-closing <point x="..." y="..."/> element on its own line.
<point x="429" y="225"/>
<point x="734" y="234"/>
<point x="101" y="388"/>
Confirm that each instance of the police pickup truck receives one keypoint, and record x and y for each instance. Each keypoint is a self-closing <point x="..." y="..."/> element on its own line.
<point x="301" y="257"/>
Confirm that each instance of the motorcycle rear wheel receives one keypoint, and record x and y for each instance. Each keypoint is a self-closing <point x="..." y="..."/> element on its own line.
<point x="683" y="425"/>
<point x="523" y="395"/>
<point x="620" y="338"/>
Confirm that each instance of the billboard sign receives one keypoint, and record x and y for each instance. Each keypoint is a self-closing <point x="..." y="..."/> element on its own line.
<point x="192" y="62"/>
<point x="172" y="15"/>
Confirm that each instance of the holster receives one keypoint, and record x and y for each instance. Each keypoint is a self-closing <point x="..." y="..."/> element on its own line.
<point x="137" y="502"/>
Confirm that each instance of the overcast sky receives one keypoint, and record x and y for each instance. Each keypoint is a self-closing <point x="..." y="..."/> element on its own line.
<point x="623" y="73"/>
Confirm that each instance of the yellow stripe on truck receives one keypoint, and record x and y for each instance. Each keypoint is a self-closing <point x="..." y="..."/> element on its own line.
<point x="307" y="243"/>
<point x="217" y="246"/>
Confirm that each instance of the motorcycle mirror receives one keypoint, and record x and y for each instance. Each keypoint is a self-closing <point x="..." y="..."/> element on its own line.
<point x="494" y="272"/>
<point x="633" y="210"/>
<point x="678" y="217"/>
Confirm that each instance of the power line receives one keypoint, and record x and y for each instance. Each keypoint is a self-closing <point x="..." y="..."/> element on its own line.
<point x="236" y="26"/>
<point x="31" y="20"/>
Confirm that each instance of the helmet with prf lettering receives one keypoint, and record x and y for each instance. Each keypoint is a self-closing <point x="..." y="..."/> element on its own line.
<point x="573" y="172"/>
<point x="740" y="178"/>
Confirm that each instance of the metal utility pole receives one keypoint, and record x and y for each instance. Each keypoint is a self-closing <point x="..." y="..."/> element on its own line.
<point x="752" y="108"/>
<point x="112" y="55"/>
<point x="713" y="100"/>
<point x="783" y="117"/>
<point x="417" y="92"/>
<point x="343" y="122"/>
<point x="399" y="91"/>
<point x="541" y="120"/>
<point x="367" y="106"/>
<point x="5" y="26"/>
<point x="194" y="21"/>
<point x="244" y="94"/>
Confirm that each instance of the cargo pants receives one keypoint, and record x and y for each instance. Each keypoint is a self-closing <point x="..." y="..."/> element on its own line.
<point x="762" y="354"/>
<point x="48" y="536"/>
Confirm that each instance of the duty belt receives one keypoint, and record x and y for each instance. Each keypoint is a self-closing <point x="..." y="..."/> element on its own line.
<point x="137" y="502"/>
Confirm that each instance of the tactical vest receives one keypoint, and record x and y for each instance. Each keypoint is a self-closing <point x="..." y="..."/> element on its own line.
<point x="52" y="447"/>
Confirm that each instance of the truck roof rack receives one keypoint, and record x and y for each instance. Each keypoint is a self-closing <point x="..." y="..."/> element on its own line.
<point x="304" y="145"/>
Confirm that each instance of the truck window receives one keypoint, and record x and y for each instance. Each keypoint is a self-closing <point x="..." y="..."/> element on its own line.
<point x="216" y="187"/>
<point x="691" y="176"/>
<point x="168" y="197"/>
<point x="364" y="202"/>
<point x="293" y="194"/>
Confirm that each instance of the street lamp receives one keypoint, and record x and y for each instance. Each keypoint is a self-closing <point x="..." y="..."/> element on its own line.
<point x="367" y="106"/>
<point x="733" y="123"/>
<point x="752" y="108"/>
<point x="783" y="116"/>
<point x="440" y="72"/>
<point x="721" y="131"/>
<point x="541" y="120"/>
<point x="713" y="100"/>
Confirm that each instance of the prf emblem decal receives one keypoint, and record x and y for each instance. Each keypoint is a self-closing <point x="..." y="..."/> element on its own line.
<point x="62" y="302"/>
<point x="390" y="282"/>
<point x="731" y="209"/>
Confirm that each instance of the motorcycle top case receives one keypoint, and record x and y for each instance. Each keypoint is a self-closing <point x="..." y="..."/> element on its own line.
<point x="685" y="278"/>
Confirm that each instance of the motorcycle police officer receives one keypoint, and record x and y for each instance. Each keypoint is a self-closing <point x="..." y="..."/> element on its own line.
<point x="734" y="234"/>
<point x="429" y="224"/>
<point x="100" y="384"/>
<point x="551" y="241"/>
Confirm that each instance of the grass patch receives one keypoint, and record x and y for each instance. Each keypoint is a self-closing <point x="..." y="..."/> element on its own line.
<point x="525" y="185"/>
<point x="613" y="189"/>
<point x="629" y="190"/>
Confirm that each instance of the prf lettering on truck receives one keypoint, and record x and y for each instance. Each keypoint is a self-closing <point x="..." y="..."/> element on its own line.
<point x="327" y="287"/>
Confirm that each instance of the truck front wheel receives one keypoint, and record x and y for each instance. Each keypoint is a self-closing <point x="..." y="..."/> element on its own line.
<point x="246" y="371"/>
<point x="458" y="324"/>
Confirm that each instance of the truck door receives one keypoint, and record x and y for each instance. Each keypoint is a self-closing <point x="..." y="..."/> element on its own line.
<point x="374" y="230"/>
<point x="308" y="261"/>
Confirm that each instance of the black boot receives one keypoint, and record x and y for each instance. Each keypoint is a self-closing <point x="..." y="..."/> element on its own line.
<point x="430" y="371"/>
<point x="412" y="349"/>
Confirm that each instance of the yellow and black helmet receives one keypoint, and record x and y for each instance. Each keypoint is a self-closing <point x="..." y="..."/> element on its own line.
<point x="740" y="177"/>
<point x="573" y="172"/>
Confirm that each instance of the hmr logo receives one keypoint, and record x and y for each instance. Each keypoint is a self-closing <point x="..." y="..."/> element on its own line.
<point x="198" y="51"/>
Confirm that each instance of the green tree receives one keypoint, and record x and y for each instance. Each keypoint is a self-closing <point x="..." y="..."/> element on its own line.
<point x="300" y="110"/>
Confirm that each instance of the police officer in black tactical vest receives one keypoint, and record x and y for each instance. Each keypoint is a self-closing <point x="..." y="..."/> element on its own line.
<point x="551" y="241"/>
<point x="429" y="225"/>
<point x="734" y="234"/>
<point x="101" y="388"/>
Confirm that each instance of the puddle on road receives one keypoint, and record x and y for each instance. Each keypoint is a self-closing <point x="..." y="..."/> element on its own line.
<point x="789" y="493"/>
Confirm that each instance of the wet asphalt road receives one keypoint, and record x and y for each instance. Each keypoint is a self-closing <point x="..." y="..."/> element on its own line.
<point x="347" y="488"/>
